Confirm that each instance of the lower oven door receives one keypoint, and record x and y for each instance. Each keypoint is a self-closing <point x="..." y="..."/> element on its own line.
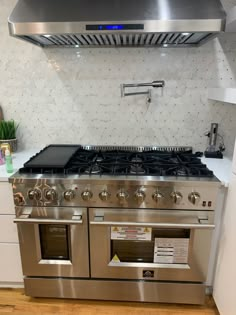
<point x="53" y="241"/>
<point x="150" y="244"/>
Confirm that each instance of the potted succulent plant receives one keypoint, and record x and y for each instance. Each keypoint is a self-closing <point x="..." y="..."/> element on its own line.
<point x="8" y="130"/>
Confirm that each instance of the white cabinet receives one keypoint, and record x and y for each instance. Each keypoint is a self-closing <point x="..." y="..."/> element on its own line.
<point x="6" y="199"/>
<point x="10" y="266"/>
<point x="10" y="262"/>
<point x="234" y="161"/>
<point x="8" y="230"/>
<point x="225" y="276"/>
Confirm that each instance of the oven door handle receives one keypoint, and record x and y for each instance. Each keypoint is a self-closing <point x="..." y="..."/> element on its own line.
<point x="157" y="225"/>
<point x="48" y="221"/>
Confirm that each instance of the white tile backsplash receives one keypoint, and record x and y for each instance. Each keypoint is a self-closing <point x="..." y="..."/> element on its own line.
<point x="73" y="96"/>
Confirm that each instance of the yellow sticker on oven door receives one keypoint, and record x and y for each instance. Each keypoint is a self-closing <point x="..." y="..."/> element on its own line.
<point x="115" y="259"/>
<point x="131" y="233"/>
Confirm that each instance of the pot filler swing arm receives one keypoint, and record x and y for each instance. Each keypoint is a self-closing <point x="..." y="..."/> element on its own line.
<point x="154" y="84"/>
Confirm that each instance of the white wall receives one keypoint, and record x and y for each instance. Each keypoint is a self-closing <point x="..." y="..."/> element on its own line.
<point x="73" y="96"/>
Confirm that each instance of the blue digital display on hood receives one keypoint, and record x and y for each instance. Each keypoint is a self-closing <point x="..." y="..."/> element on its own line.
<point x="114" y="27"/>
<point x="111" y="27"/>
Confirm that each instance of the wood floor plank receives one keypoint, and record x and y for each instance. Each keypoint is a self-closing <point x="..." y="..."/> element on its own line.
<point x="5" y="308"/>
<point x="13" y="301"/>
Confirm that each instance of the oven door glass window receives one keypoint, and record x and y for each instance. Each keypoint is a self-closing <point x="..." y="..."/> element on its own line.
<point x="54" y="240"/>
<point x="165" y="246"/>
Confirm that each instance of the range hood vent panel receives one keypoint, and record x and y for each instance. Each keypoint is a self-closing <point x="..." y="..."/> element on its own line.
<point x="91" y="23"/>
<point x="120" y="40"/>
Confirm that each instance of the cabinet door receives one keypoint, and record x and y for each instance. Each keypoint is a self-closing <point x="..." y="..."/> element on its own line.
<point x="6" y="199"/>
<point x="10" y="264"/>
<point x="8" y="229"/>
<point x="225" y="275"/>
<point x="234" y="160"/>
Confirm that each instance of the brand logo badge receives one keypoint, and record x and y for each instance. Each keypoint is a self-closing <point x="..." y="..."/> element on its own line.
<point x="148" y="274"/>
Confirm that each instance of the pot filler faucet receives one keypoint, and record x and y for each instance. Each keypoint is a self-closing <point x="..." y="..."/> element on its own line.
<point x="154" y="84"/>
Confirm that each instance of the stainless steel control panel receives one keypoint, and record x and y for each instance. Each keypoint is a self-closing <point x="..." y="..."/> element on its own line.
<point x="131" y="194"/>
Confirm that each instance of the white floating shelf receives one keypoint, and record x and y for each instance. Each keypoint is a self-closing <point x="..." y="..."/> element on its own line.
<point x="223" y="95"/>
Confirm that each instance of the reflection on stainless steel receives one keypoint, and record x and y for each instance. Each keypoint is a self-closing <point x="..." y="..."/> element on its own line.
<point x="107" y="23"/>
<point x="187" y="293"/>
<point x="116" y="237"/>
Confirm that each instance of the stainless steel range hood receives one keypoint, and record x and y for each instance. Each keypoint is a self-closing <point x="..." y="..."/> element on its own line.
<point x="99" y="23"/>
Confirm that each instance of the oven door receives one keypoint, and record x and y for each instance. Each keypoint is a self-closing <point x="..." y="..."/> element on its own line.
<point x="150" y="244"/>
<point x="53" y="241"/>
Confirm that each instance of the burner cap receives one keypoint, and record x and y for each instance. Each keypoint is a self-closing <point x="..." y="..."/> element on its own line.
<point x="137" y="169"/>
<point x="136" y="159"/>
<point x="99" y="158"/>
<point x="181" y="171"/>
<point x="94" y="169"/>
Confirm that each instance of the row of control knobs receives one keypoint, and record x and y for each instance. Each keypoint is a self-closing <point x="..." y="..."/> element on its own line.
<point x="139" y="196"/>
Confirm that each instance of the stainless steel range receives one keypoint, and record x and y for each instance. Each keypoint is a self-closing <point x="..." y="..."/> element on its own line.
<point x="115" y="223"/>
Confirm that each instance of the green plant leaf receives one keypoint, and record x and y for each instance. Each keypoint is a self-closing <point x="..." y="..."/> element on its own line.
<point x="8" y="129"/>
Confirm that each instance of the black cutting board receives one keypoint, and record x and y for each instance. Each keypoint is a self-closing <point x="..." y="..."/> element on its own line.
<point x="53" y="156"/>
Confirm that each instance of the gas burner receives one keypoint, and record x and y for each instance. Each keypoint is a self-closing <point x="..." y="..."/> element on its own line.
<point x="94" y="169"/>
<point x="136" y="159"/>
<point x="76" y="160"/>
<point x="98" y="159"/>
<point x="137" y="169"/>
<point x="179" y="171"/>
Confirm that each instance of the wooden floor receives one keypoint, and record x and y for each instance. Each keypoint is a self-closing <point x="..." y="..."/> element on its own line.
<point x="15" y="302"/>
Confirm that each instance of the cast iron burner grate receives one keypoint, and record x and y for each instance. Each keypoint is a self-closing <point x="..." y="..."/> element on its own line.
<point x="120" y="163"/>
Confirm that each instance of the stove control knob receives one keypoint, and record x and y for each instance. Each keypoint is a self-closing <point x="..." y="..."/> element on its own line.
<point x="104" y="195"/>
<point x="86" y="195"/>
<point x="176" y="197"/>
<point x="122" y="196"/>
<point x="18" y="199"/>
<point x="194" y="198"/>
<point x="34" y="194"/>
<point x="157" y="196"/>
<point x="69" y="195"/>
<point x="51" y="195"/>
<point x="139" y="196"/>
